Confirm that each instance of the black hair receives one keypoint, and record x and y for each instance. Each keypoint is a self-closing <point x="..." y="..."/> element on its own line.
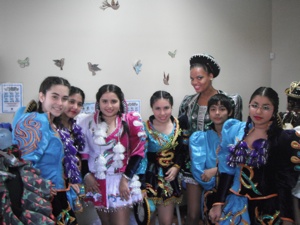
<point x="272" y="95"/>
<point x="224" y="100"/>
<point x="161" y="95"/>
<point x="48" y="83"/>
<point x="206" y="68"/>
<point x="77" y="90"/>
<point x="117" y="90"/>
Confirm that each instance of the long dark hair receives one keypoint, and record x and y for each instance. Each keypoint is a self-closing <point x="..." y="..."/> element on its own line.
<point x="48" y="83"/>
<point x="117" y="90"/>
<point x="272" y="95"/>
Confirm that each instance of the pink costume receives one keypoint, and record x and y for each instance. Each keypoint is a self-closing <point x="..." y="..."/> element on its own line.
<point x="111" y="156"/>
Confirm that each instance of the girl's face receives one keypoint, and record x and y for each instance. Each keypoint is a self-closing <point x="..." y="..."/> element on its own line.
<point x="55" y="100"/>
<point x="74" y="105"/>
<point x="218" y="114"/>
<point x="200" y="79"/>
<point x="109" y="104"/>
<point x="261" y="110"/>
<point x="162" y="110"/>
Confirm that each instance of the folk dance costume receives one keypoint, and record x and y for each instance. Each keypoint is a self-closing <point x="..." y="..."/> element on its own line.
<point x="204" y="146"/>
<point x="112" y="156"/>
<point x="259" y="180"/>
<point x="163" y="152"/>
<point x="197" y="119"/>
<point x="41" y="144"/>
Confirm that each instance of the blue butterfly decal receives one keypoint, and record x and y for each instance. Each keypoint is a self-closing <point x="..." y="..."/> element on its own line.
<point x="137" y="67"/>
<point x="24" y="62"/>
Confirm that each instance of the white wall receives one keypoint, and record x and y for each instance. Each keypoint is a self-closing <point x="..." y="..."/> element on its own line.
<point x="237" y="33"/>
<point x="285" y="45"/>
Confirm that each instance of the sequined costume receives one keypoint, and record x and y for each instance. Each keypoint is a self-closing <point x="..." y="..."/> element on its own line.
<point x="265" y="175"/>
<point x="40" y="143"/>
<point x="163" y="152"/>
<point x="198" y="119"/>
<point x="108" y="164"/>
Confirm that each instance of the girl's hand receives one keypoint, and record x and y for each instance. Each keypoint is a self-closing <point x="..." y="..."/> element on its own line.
<point x="208" y="174"/>
<point x="91" y="184"/>
<point x="53" y="191"/>
<point x="171" y="174"/>
<point x="76" y="188"/>
<point x="215" y="213"/>
<point x="124" y="189"/>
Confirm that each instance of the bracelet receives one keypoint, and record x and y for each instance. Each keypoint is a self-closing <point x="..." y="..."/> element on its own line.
<point x="126" y="177"/>
<point x="177" y="166"/>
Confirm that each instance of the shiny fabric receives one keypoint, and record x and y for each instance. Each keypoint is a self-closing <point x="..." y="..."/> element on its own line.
<point x="268" y="187"/>
<point x="41" y="144"/>
<point x="203" y="150"/>
<point x="163" y="152"/>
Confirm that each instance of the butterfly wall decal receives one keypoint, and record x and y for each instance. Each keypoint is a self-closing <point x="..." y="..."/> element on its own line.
<point x="93" y="68"/>
<point x="23" y="63"/>
<point x="137" y="66"/>
<point x="172" y="54"/>
<point x="114" y="5"/>
<point x="166" y="79"/>
<point x="59" y="62"/>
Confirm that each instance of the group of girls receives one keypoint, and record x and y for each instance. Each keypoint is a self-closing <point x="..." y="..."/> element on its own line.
<point x="122" y="159"/>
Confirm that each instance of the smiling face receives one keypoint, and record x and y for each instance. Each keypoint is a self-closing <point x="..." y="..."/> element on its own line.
<point x="55" y="100"/>
<point x="109" y="104"/>
<point x="261" y="110"/>
<point x="218" y="113"/>
<point x="74" y="105"/>
<point x="200" y="79"/>
<point x="162" y="110"/>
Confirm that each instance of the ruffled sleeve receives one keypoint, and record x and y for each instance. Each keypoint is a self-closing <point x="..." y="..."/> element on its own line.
<point x="31" y="133"/>
<point x="199" y="147"/>
<point x="137" y="141"/>
<point x="233" y="130"/>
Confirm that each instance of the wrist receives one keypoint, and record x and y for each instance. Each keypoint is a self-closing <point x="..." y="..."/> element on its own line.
<point x="126" y="177"/>
<point x="85" y="176"/>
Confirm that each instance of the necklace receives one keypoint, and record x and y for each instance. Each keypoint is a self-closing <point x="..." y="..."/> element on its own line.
<point x="100" y="135"/>
<point x="71" y="147"/>
<point x="241" y="154"/>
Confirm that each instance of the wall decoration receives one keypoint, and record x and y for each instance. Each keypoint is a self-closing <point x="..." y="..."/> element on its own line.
<point x="23" y="63"/>
<point x="93" y="68"/>
<point x="166" y="79"/>
<point x="12" y="97"/>
<point x="134" y="105"/>
<point x="114" y="5"/>
<point x="59" y="62"/>
<point x="137" y="66"/>
<point x="172" y="54"/>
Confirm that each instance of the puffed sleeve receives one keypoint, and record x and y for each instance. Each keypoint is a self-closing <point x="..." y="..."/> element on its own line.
<point x="31" y="133"/>
<point x="137" y="140"/>
<point x="232" y="131"/>
<point x="83" y="121"/>
<point x="198" y="148"/>
<point x="287" y="167"/>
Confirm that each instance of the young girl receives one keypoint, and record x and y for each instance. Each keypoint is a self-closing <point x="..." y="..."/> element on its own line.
<point x="257" y="166"/>
<point x="38" y="139"/>
<point x="164" y="157"/>
<point x="73" y="140"/>
<point x="114" y="148"/>
<point x="204" y="146"/>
